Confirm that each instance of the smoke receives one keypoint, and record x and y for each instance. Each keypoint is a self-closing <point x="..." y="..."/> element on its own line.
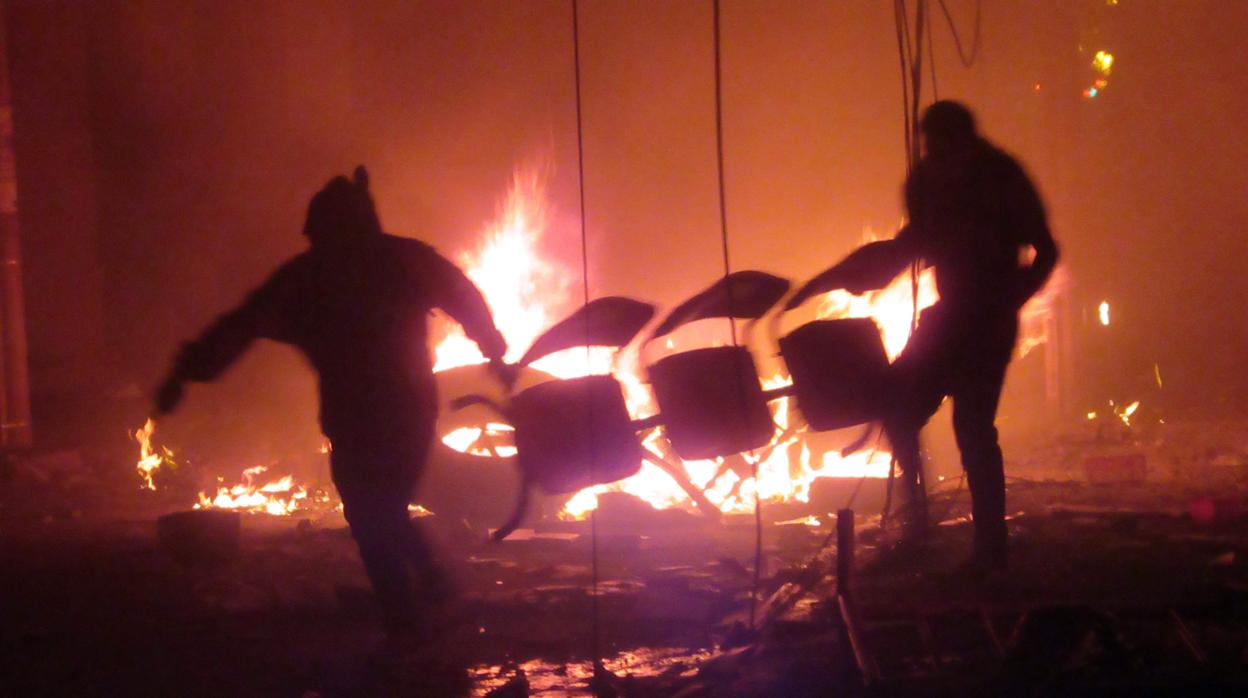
<point x="206" y="126"/>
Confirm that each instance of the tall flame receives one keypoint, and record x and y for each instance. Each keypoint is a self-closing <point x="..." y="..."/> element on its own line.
<point x="150" y="460"/>
<point x="521" y="288"/>
<point x="524" y="292"/>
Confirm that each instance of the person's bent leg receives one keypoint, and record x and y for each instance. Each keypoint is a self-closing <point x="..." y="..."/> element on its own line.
<point x="903" y="436"/>
<point x="370" y="482"/>
<point x="381" y="528"/>
<point x="974" y="416"/>
<point x="915" y="388"/>
<point x="433" y="583"/>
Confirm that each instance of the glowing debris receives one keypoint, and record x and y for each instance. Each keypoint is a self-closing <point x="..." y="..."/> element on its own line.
<point x="1103" y="62"/>
<point x="1125" y="413"/>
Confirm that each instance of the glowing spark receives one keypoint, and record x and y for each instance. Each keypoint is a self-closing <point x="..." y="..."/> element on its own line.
<point x="1103" y="312"/>
<point x="1125" y="413"/>
<point x="1103" y="62"/>
<point x="812" y="521"/>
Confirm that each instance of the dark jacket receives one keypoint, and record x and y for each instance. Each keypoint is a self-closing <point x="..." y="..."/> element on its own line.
<point x="359" y="313"/>
<point x="971" y="215"/>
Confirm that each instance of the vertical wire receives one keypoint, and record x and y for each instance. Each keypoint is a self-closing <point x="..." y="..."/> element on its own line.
<point x="920" y="20"/>
<point x="732" y="323"/>
<point x="580" y="167"/>
<point x="719" y="153"/>
<point x="900" y="22"/>
<point x="931" y="61"/>
<point x="916" y="79"/>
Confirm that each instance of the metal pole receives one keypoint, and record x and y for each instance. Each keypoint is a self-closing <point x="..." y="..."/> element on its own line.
<point x="844" y="550"/>
<point x="15" y="431"/>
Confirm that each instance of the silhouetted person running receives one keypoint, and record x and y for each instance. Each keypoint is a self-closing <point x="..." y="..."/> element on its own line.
<point x="356" y="304"/>
<point x="975" y="216"/>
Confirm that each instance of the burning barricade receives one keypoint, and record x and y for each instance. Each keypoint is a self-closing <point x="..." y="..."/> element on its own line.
<point x="719" y="427"/>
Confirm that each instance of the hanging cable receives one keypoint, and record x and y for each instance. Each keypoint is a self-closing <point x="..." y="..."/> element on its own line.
<point x="910" y="57"/>
<point x="931" y="62"/>
<point x="593" y="514"/>
<point x="719" y="155"/>
<point x="916" y="77"/>
<point x="967" y="61"/>
<point x="732" y="323"/>
<point x="899" y="22"/>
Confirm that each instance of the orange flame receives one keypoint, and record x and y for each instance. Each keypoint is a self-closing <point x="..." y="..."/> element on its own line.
<point x="524" y="292"/>
<point x="279" y="497"/>
<point x="512" y="275"/>
<point x="520" y="287"/>
<point x="150" y="460"/>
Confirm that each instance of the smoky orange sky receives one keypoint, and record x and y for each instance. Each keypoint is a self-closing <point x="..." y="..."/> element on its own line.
<point x="166" y="151"/>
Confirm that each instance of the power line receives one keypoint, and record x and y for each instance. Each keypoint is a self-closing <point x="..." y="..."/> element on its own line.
<point x="967" y="61"/>
<point x="580" y="165"/>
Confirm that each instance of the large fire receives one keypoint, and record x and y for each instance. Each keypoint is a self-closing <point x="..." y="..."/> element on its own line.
<point x="527" y="293"/>
<point x="517" y="283"/>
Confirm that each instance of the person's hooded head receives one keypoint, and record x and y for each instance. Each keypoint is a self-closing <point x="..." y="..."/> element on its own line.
<point x="948" y="127"/>
<point x="342" y="212"/>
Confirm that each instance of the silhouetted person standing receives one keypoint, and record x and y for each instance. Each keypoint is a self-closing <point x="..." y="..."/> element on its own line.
<point x="976" y="217"/>
<point x="356" y="304"/>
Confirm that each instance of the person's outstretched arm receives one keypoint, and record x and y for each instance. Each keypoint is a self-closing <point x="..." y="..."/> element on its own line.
<point x="867" y="268"/>
<point x="264" y="313"/>
<point x="452" y="291"/>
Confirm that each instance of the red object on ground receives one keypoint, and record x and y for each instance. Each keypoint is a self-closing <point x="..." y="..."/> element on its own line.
<point x="1206" y="510"/>
<point x="1203" y="510"/>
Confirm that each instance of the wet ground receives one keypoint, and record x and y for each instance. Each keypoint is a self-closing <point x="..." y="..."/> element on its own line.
<point x="1129" y="588"/>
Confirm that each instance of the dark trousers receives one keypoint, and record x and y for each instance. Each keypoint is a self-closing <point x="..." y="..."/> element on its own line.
<point x="962" y="355"/>
<point x="376" y="480"/>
